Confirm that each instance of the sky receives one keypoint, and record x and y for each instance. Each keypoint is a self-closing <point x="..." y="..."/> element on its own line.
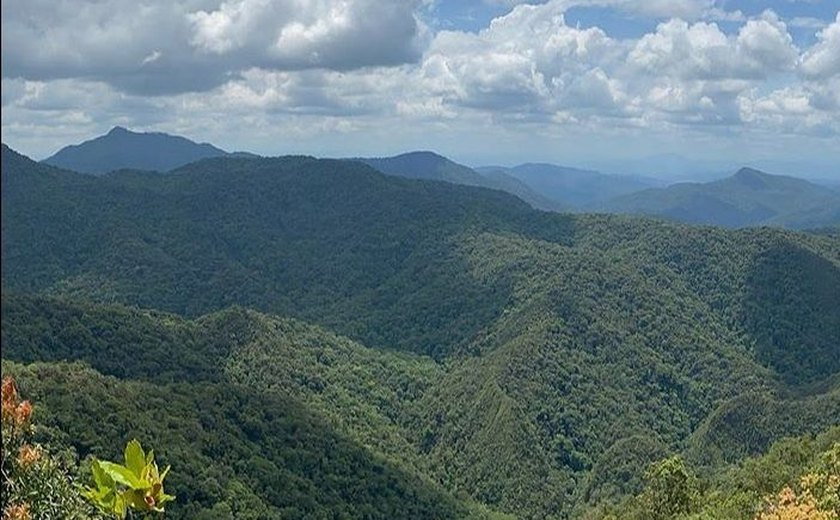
<point x="573" y="82"/>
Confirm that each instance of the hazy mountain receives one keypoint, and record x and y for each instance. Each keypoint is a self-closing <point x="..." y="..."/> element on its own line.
<point x="670" y="168"/>
<point x="534" y="347"/>
<point x="747" y="198"/>
<point x="571" y="187"/>
<point x="123" y="149"/>
<point x="431" y="166"/>
<point x="667" y="168"/>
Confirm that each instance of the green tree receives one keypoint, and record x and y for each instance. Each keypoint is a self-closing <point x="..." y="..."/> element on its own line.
<point x="670" y="491"/>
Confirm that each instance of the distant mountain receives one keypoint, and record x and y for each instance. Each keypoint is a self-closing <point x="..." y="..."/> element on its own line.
<point x="748" y="198"/>
<point x="671" y="168"/>
<point x="571" y="187"/>
<point x="667" y="167"/>
<point x="431" y="166"/>
<point x="123" y="149"/>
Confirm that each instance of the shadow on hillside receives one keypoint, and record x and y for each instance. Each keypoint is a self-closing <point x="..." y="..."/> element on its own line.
<point x="790" y="308"/>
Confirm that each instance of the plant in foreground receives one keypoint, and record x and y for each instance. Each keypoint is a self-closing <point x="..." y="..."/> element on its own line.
<point x="135" y="486"/>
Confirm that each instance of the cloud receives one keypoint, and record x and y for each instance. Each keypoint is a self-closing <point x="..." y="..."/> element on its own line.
<point x="823" y="59"/>
<point x="358" y="69"/>
<point x="522" y="63"/>
<point x="702" y="51"/>
<point x="340" y="35"/>
<point x="164" y="47"/>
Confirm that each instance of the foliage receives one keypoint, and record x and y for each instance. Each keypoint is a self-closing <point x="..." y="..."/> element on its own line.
<point x="135" y="486"/>
<point x="789" y="506"/>
<point x="670" y="490"/>
<point x="34" y="485"/>
<point x="796" y="479"/>
<point x="236" y="449"/>
<point x="542" y="343"/>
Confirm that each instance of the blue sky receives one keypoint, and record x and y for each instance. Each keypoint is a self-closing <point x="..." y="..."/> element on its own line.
<point x="485" y="81"/>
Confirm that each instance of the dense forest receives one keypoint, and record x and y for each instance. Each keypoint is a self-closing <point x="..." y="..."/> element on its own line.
<point x="305" y="338"/>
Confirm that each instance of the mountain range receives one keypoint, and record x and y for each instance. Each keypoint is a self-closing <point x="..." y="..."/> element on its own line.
<point x="574" y="188"/>
<point x="431" y="166"/>
<point x="123" y="149"/>
<point x="310" y="338"/>
<point x="747" y="198"/>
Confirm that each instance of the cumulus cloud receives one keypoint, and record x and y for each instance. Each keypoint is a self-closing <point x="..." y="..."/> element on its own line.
<point x="823" y="59"/>
<point x="298" y="35"/>
<point x="523" y="62"/>
<point x="163" y="46"/>
<point x="339" y="67"/>
<point x="703" y="51"/>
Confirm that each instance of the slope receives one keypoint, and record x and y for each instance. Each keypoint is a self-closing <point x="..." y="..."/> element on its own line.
<point x="121" y="148"/>
<point x="561" y="338"/>
<point x="571" y="187"/>
<point x="315" y="239"/>
<point x="431" y="166"/>
<point x="303" y="422"/>
<point x="748" y="198"/>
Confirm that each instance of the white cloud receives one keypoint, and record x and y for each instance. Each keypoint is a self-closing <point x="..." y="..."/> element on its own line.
<point x="702" y="51"/>
<point x="823" y="59"/>
<point x="165" y="46"/>
<point x="312" y="70"/>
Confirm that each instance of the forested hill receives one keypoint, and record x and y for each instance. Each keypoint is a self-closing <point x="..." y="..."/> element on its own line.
<point x="121" y="148"/>
<point x="536" y="347"/>
<point x="747" y="198"/>
<point x="431" y="166"/>
<point x="317" y="239"/>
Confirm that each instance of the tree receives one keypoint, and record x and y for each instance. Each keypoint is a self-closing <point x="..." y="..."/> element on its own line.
<point x="670" y="490"/>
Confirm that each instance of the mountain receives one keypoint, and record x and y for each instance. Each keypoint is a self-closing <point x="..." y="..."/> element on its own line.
<point x="747" y="198"/>
<point x="668" y="168"/>
<point x="431" y="166"/>
<point x="570" y="187"/>
<point x="278" y="321"/>
<point x="124" y="149"/>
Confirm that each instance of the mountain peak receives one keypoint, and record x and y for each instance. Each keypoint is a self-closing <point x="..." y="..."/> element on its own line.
<point x="121" y="148"/>
<point x="746" y="171"/>
<point x="119" y="130"/>
<point x="422" y="153"/>
<point x="752" y="178"/>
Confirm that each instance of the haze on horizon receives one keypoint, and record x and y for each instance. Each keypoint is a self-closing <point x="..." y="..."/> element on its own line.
<point x="489" y="81"/>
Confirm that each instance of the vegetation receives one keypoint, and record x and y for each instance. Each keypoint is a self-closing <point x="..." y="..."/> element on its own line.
<point x="312" y="339"/>
<point x="797" y="479"/>
<point x="35" y="484"/>
<point x="430" y="166"/>
<point x="748" y="198"/>
<point x="135" y="486"/>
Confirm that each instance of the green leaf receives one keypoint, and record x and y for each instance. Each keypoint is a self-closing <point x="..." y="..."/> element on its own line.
<point x="135" y="459"/>
<point x="120" y="508"/>
<point x="100" y="478"/>
<point x="165" y="472"/>
<point x="164" y="498"/>
<point x="124" y="476"/>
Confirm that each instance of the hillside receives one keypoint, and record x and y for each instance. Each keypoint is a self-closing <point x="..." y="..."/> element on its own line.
<point x="403" y="409"/>
<point x="123" y="149"/>
<point x="431" y="166"/>
<point x="747" y="198"/>
<point x="499" y="354"/>
<point x="571" y="187"/>
<point x="314" y="239"/>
